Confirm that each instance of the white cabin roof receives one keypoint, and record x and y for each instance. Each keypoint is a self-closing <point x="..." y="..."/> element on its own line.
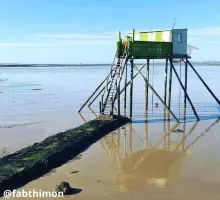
<point x="149" y="31"/>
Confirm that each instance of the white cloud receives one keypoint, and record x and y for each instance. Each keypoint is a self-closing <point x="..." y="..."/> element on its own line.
<point x="77" y="36"/>
<point x="103" y="35"/>
<point x="105" y="38"/>
<point x="64" y="40"/>
<point x="59" y="44"/>
<point x="205" y="31"/>
<point x="17" y="44"/>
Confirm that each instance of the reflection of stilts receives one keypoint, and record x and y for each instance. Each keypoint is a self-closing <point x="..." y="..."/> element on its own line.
<point x="82" y="117"/>
<point x="152" y="149"/>
<point x="154" y="164"/>
<point x="202" y="134"/>
<point x="92" y="111"/>
<point x="146" y="132"/>
<point x="4" y="150"/>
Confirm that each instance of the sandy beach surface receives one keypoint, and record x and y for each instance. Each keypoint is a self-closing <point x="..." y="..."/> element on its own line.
<point x="140" y="161"/>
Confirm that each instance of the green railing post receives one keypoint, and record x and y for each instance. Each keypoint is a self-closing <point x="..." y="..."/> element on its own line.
<point x="119" y="36"/>
<point x="133" y="33"/>
<point x="120" y="44"/>
<point x="132" y="43"/>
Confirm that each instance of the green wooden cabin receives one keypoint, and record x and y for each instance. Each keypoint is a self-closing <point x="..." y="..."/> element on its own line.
<point x="154" y="44"/>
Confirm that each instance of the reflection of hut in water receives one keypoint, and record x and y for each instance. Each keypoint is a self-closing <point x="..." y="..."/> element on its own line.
<point x="157" y="164"/>
<point x="150" y="165"/>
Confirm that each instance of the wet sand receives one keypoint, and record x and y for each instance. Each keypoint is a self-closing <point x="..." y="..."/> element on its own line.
<point x="146" y="162"/>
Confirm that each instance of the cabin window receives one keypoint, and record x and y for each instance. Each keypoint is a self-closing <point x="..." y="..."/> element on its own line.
<point x="179" y="37"/>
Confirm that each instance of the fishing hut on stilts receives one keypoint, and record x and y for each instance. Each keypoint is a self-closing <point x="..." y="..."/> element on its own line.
<point x="169" y="45"/>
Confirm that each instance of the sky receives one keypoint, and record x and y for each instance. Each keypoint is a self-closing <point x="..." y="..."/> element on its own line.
<point x="85" y="31"/>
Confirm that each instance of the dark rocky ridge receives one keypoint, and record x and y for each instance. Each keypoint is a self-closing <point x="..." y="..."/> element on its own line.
<point x="33" y="162"/>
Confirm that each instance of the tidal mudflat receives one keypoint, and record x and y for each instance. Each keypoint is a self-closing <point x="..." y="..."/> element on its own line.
<point x="141" y="160"/>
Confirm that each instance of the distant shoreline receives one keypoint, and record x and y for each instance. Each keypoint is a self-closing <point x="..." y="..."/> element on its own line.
<point x="51" y="65"/>
<point x="92" y="65"/>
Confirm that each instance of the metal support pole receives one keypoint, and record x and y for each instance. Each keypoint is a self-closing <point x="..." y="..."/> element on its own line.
<point x="112" y="107"/>
<point x="186" y="77"/>
<point x="187" y="96"/>
<point x="146" y="86"/>
<point x="207" y="87"/>
<point x="93" y="94"/>
<point x="170" y="87"/>
<point x="158" y="96"/>
<point x="102" y="100"/>
<point x="96" y="96"/>
<point x="184" y="115"/>
<point x="100" y="107"/>
<point x="125" y="94"/>
<point x="131" y="87"/>
<point x="165" y="89"/>
<point x="118" y="94"/>
<point x="165" y="82"/>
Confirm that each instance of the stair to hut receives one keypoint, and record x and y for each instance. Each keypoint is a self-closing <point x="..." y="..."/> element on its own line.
<point x="112" y="84"/>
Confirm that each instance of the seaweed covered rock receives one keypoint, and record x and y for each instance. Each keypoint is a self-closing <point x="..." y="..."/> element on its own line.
<point x="63" y="187"/>
<point x="28" y="164"/>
